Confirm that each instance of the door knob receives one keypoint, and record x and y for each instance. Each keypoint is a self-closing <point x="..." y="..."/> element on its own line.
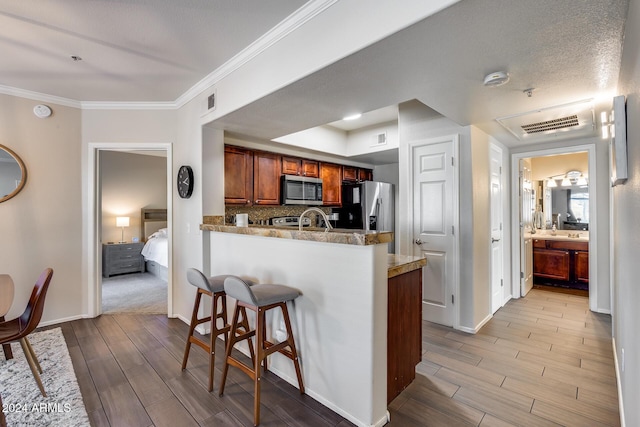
<point x="418" y="242"/>
<point x="494" y="240"/>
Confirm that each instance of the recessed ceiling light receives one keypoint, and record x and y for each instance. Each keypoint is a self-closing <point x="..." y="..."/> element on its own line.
<point x="352" y="117"/>
<point x="497" y="78"/>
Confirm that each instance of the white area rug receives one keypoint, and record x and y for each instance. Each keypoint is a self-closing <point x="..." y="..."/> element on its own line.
<point x="134" y="293"/>
<point x="21" y="399"/>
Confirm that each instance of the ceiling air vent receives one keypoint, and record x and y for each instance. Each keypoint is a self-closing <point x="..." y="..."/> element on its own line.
<point x="560" y="122"/>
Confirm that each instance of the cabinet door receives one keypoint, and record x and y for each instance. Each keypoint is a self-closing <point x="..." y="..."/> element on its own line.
<point x="291" y="165"/>
<point x="310" y="168"/>
<point x="582" y="266"/>
<point x="331" y="175"/>
<point x="238" y="176"/>
<point x="365" y="175"/>
<point x="266" y="178"/>
<point x="551" y="264"/>
<point x="349" y="173"/>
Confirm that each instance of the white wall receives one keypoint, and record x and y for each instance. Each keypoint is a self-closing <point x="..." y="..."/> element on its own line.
<point x="42" y="226"/>
<point x="626" y="229"/>
<point x="417" y="121"/>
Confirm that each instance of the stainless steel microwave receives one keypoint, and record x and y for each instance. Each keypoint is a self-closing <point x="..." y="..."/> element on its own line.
<point x="301" y="190"/>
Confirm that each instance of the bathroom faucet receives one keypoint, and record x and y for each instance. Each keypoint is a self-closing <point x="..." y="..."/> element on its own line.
<point x="321" y="212"/>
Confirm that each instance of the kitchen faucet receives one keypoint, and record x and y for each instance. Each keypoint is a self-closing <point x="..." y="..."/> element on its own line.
<point x="321" y="212"/>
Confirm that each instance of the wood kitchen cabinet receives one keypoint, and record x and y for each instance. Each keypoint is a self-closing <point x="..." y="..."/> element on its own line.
<point x="349" y="173"/>
<point x="331" y="175"/>
<point x="301" y="167"/>
<point x="251" y="177"/>
<point x="266" y="179"/>
<point x="404" y="331"/>
<point x="365" y="174"/>
<point x="238" y="176"/>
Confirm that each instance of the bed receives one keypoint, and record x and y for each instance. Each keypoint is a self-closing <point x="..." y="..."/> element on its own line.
<point x="156" y="248"/>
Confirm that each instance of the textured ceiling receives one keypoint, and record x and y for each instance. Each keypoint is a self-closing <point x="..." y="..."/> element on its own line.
<point x="567" y="50"/>
<point x="131" y="50"/>
<point x="156" y="50"/>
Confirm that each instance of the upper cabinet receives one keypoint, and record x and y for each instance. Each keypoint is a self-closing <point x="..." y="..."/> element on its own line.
<point x="331" y="175"/>
<point x="266" y="179"/>
<point x="301" y="167"/>
<point x="238" y="176"/>
<point x="251" y="178"/>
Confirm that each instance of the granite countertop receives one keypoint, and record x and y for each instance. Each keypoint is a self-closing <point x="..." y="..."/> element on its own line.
<point x="339" y="236"/>
<point x="401" y="264"/>
<point x="563" y="235"/>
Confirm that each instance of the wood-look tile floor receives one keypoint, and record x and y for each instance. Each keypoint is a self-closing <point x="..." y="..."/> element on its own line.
<point x="544" y="360"/>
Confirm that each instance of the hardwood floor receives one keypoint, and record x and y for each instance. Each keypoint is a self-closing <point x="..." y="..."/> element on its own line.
<point x="544" y="360"/>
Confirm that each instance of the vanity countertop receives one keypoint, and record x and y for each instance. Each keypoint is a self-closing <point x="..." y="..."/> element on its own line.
<point x="563" y="235"/>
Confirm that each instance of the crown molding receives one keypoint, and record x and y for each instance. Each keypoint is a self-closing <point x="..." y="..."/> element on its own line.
<point x="307" y="12"/>
<point x="106" y="105"/>
<point x="38" y="96"/>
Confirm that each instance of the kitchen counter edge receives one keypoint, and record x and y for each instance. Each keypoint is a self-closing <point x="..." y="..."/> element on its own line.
<point x="355" y="237"/>
<point x="401" y="264"/>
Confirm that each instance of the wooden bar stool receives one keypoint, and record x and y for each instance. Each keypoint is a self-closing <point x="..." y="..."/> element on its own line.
<point x="260" y="299"/>
<point x="213" y="287"/>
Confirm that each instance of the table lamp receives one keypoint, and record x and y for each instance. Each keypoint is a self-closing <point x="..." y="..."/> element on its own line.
<point x="122" y="221"/>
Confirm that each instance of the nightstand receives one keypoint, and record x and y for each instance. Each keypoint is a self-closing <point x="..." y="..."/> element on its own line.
<point x="120" y="258"/>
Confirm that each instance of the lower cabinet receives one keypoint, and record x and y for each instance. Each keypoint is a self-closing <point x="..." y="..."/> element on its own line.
<point x="404" y="331"/>
<point x="561" y="263"/>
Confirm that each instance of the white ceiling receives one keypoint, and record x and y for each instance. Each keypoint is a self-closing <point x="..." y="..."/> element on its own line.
<point x="156" y="50"/>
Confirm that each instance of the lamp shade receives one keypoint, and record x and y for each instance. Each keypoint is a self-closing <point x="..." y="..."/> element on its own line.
<point x="122" y="221"/>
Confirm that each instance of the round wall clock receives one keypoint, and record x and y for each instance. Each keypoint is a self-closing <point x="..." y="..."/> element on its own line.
<point x="185" y="182"/>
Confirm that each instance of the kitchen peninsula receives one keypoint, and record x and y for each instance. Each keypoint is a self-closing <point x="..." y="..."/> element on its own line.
<point x="340" y="321"/>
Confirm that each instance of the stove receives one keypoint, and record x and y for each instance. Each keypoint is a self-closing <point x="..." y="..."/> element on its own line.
<point x="290" y="221"/>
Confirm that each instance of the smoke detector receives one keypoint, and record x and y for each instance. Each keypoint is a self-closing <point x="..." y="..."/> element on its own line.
<point x="497" y="78"/>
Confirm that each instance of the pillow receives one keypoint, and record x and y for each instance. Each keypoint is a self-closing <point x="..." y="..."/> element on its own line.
<point x="162" y="232"/>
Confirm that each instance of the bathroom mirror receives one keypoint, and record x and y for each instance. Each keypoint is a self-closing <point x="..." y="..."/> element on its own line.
<point x="570" y="207"/>
<point x="13" y="174"/>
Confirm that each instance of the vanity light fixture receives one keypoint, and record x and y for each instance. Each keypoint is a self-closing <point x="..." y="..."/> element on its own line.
<point x="565" y="182"/>
<point x="551" y="183"/>
<point x="582" y="181"/>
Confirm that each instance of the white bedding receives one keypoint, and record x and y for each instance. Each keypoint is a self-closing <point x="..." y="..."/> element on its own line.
<point x="157" y="249"/>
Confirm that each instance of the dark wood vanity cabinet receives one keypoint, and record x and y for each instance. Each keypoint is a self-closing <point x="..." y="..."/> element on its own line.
<point x="560" y="262"/>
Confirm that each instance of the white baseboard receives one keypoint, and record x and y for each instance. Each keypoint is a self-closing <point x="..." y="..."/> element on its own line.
<point x="618" y="383"/>
<point x="477" y="327"/>
<point x="64" y="319"/>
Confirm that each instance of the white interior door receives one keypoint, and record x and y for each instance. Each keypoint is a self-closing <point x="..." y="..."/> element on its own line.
<point x="527" y="203"/>
<point x="434" y="220"/>
<point x="497" y="242"/>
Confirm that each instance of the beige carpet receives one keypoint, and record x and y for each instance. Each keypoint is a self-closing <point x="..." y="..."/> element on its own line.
<point x="134" y="293"/>
<point x="21" y="399"/>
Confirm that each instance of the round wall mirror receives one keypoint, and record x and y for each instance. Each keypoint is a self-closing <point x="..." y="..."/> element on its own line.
<point x="13" y="174"/>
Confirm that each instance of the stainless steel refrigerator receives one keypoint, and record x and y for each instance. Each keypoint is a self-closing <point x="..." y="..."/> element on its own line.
<point x="368" y="205"/>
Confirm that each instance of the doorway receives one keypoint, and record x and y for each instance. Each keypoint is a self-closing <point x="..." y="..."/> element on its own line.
<point x="533" y="212"/>
<point x="134" y="238"/>
<point x="94" y="224"/>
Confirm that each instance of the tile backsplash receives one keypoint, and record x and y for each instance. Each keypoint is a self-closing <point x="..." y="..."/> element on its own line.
<point x="258" y="214"/>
